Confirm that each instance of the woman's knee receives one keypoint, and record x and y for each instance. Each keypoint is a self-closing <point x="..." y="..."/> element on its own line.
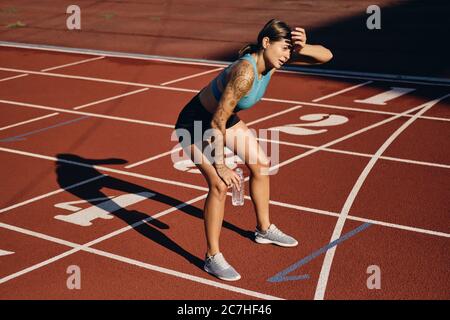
<point x="260" y="170"/>
<point x="218" y="188"/>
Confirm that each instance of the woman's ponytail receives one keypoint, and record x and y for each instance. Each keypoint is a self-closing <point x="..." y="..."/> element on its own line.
<point x="275" y="30"/>
<point x="249" y="48"/>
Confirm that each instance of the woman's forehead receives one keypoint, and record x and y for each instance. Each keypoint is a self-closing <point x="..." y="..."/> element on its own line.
<point x="283" y="42"/>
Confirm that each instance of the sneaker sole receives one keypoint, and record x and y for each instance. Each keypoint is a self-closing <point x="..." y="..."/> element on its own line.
<point x="223" y="278"/>
<point x="281" y="244"/>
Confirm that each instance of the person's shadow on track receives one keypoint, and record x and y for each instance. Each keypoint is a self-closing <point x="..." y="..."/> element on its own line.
<point x="78" y="176"/>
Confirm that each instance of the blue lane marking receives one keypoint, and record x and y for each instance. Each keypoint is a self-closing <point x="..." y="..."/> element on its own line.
<point x="21" y="137"/>
<point x="281" y="276"/>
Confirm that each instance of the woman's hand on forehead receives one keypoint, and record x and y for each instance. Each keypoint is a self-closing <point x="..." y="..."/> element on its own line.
<point x="298" y="36"/>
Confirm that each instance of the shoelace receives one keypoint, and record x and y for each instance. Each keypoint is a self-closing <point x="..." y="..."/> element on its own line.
<point x="277" y="231"/>
<point x="220" y="261"/>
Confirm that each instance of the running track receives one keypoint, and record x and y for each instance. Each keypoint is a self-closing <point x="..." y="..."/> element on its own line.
<point x="369" y="187"/>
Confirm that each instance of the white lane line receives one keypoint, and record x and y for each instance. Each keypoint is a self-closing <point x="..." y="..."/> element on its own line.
<point x="75" y="108"/>
<point x="292" y="144"/>
<point x="400" y="227"/>
<point x="110" y="98"/>
<point x="358" y="154"/>
<point x="270" y="116"/>
<point x="152" y="158"/>
<point x="355" y="218"/>
<point x="114" y="54"/>
<point x="5" y="253"/>
<point x="204" y="62"/>
<point x="328" y="260"/>
<point x="77" y="247"/>
<point x="330" y="106"/>
<point x="36" y="266"/>
<point x="348" y="136"/>
<point x="196" y="91"/>
<point x="191" y="76"/>
<point x="14" y="77"/>
<point x="72" y="64"/>
<point x="341" y="91"/>
<point x="186" y="276"/>
<point x="343" y="74"/>
<point x="52" y="68"/>
<point x="421" y="163"/>
<point x="179" y="148"/>
<point x="67" y="76"/>
<point x="106" y="169"/>
<point x="49" y="194"/>
<point x="29" y="121"/>
<point x="38" y="235"/>
<point x="94" y="115"/>
<point x="332" y="150"/>
<point x="435" y="118"/>
<point x="88" y="104"/>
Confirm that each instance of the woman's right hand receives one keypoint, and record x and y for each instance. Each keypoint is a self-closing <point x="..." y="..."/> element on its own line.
<point x="228" y="176"/>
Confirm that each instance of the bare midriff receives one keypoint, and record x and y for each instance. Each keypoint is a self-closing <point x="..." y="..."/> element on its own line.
<point x="207" y="96"/>
<point x="207" y="99"/>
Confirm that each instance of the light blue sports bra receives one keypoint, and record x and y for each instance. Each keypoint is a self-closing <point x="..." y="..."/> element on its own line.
<point x="256" y="92"/>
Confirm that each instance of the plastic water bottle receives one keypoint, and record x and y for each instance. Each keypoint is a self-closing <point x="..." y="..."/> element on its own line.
<point x="237" y="198"/>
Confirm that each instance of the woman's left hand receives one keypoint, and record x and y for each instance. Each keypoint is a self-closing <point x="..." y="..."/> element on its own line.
<point x="298" y="38"/>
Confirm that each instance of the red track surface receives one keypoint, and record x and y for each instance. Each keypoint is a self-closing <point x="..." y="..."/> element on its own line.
<point x="405" y="196"/>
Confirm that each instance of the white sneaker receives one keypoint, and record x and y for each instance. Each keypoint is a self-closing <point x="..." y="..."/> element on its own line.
<point x="219" y="267"/>
<point x="275" y="236"/>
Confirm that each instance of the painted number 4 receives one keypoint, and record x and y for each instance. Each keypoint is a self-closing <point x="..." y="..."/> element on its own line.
<point x="313" y="122"/>
<point x="102" y="209"/>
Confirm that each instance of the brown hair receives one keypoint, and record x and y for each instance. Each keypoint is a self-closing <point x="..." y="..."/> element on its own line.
<point x="275" y="30"/>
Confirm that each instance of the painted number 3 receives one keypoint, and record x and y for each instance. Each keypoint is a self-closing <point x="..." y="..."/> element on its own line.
<point x="316" y="120"/>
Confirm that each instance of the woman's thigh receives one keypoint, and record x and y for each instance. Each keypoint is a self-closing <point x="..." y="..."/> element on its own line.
<point x="199" y="156"/>
<point x="242" y="141"/>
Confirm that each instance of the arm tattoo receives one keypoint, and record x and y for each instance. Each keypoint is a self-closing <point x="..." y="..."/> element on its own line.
<point x="241" y="81"/>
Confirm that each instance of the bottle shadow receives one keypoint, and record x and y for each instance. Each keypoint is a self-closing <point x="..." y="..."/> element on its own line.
<point x="78" y="176"/>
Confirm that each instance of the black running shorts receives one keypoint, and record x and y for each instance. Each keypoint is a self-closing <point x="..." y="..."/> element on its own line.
<point x="194" y="111"/>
